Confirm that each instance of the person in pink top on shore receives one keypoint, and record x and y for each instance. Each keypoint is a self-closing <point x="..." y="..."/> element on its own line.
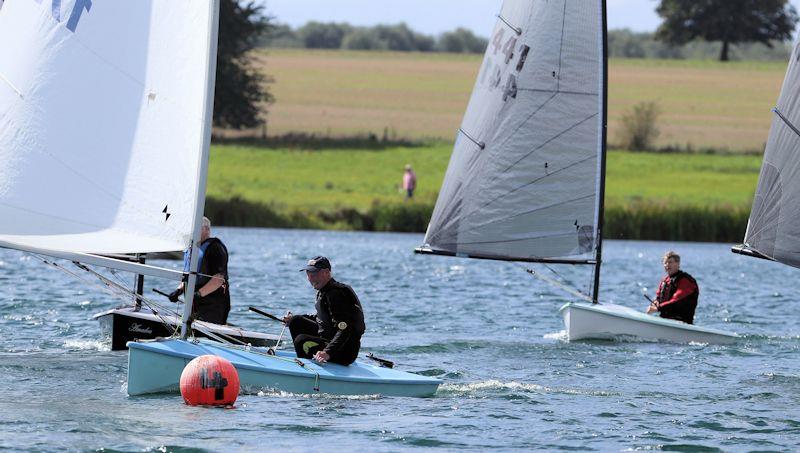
<point x="409" y="181"/>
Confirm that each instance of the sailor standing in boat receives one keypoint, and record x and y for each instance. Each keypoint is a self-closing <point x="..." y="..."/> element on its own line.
<point x="212" y="300"/>
<point x="334" y="333"/>
<point x="676" y="297"/>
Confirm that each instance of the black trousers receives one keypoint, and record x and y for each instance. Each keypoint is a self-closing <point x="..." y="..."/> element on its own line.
<point x="307" y="341"/>
<point x="682" y="311"/>
<point x="212" y="308"/>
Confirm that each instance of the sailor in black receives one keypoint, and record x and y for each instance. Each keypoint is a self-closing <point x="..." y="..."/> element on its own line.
<point x="212" y="300"/>
<point x="334" y="332"/>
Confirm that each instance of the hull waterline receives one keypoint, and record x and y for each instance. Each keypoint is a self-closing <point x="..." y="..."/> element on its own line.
<point x="129" y="324"/>
<point x="155" y="367"/>
<point x="610" y="322"/>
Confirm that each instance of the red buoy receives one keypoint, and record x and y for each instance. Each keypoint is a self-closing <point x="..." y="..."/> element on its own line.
<point x="209" y="380"/>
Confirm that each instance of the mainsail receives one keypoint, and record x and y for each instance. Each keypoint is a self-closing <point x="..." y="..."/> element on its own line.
<point x="103" y="109"/>
<point x="525" y="177"/>
<point x="773" y="230"/>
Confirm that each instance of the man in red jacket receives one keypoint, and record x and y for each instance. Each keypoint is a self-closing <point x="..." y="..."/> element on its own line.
<point x="676" y="297"/>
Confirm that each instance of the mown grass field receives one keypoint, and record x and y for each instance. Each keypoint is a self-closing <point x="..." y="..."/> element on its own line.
<point x="329" y="179"/>
<point x="648" y="195"/>
<point x="705" y="105"/>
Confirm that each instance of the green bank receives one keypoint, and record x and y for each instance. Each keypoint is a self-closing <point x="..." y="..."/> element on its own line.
<point x="660" y="196"/>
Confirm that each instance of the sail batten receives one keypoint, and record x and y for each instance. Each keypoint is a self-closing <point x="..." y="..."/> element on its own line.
<point x="537" y="113"/>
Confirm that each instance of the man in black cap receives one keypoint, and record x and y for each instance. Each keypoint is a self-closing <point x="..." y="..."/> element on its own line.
<point x="334" y="333"/>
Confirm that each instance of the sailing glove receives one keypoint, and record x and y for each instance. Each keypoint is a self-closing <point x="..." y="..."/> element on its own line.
<point x="173" y="296"/>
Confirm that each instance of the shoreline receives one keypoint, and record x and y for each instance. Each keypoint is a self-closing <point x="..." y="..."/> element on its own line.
<point x="634" y="221"/>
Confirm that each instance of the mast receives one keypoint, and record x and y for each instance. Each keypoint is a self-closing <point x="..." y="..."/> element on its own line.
<point x="601" y="193"/>
<point x="200" y="198"/>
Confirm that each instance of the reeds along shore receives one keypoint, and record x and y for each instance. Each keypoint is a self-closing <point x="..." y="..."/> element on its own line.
<point x="638" y="220"/>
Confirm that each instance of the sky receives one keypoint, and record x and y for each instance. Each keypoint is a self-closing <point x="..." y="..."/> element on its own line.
<point x="437" y="16"/>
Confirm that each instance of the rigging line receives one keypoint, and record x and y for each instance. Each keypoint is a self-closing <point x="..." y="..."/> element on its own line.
<point x="547" y="236"/>
<point x="126" y="291"/>
<point x="218" y="336"/>
<point x="786" y="120"/>
<point x="560" y="285"/>
<point x="524" y="213"/>
<point x="8" y="82"/>
<point x="517" y="30"/>
<point x="451" y="224"/>
<point x="108" y="289"/>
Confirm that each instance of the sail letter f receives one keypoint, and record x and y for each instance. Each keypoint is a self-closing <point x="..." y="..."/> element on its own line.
<point x="74" y="17"/>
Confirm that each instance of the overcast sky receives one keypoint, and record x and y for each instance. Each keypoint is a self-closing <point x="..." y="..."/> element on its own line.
<point x="437" y="16"/>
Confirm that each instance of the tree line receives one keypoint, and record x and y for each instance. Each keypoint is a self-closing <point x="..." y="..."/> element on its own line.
<point x="398" y="37"/>
<point x="628" y="44"/>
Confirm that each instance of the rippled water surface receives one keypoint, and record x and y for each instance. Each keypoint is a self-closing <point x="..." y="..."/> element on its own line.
<point x="488" y="329"/>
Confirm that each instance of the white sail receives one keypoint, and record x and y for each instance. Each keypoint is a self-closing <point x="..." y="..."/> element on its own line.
<point x="524" y="178"/>
<point x="102" y="123"/>
<point x="773" y="230"/>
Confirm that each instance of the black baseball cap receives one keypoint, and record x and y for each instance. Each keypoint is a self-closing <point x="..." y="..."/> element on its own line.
<point x="317" y="263"/>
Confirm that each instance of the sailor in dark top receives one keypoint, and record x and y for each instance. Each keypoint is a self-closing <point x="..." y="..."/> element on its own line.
<point x="677" y="294"/>
<point x="212" y="300"/>
<point x="334" y="332"/>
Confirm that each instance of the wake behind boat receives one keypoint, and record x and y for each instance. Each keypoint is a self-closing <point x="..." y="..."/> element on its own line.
<point x="156" y="366"/>
<point x="613" y="322"/>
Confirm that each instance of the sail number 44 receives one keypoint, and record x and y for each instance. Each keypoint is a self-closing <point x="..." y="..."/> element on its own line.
<point x="504" y="49"/>
<point x="74" y="16"/>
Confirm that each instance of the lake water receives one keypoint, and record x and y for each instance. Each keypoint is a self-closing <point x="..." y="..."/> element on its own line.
<point x="488" y="329"/>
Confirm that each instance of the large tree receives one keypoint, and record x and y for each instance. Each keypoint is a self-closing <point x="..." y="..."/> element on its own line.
<point x="241" y="90"/>
<point x="727" y="21"/>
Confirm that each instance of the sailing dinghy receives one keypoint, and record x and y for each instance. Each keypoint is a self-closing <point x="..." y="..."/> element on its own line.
<point x="526" y="179"/>
<point x="105" y="126"/>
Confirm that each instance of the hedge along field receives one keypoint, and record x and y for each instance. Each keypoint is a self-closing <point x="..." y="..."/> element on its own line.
<point x="649" y="196"/>
<point x="704" y="104"/>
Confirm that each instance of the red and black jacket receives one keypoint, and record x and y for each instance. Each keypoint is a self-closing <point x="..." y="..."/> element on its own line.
<point x="677" y="296"/>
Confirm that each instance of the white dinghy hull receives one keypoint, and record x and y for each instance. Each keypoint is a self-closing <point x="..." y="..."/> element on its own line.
<point x="610" y="322"/>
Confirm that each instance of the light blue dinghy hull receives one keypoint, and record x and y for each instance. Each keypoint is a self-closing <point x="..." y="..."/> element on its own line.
<point x="156" y="366"/>
<point x="610" y="321"/>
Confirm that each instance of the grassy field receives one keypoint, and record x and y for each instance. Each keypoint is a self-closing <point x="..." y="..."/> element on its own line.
<point x="649" y="195"/>
<point x="704" y="104"/>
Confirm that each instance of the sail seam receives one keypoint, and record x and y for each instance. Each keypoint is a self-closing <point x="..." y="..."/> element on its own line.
<point x="579" y="123"/>
<point x="449" y="227"/>
<point x="31" y="211"/>
<point x="577" y="93"/>
<point x="546" y="236"/>
<point x="526" y="213"/>
<point x="561" y="45"/>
